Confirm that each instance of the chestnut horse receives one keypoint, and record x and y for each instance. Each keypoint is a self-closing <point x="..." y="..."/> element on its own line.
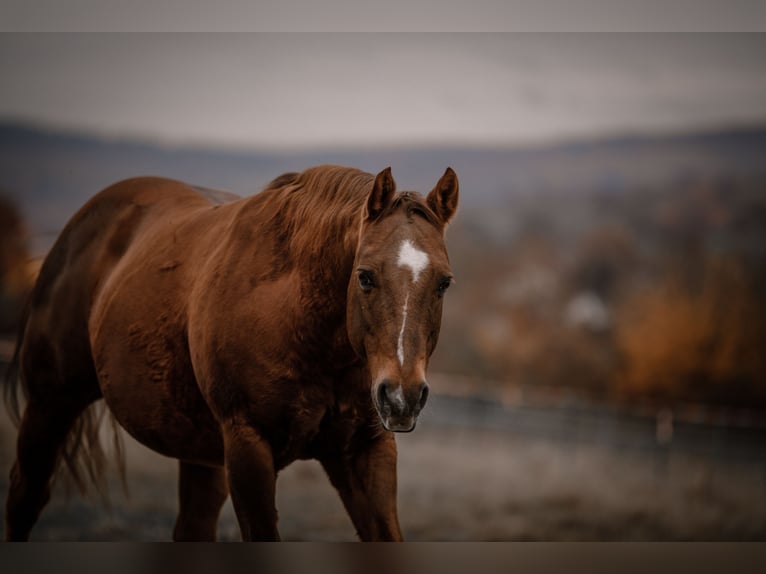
<point x="236" y="335"/>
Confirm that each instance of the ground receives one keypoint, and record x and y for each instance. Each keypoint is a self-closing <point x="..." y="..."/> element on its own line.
<point x="471" y="478"/>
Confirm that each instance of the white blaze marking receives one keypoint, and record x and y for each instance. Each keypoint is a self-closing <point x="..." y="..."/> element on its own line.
<point x="412" y="257"/>
<point x="400" y="346"/>
<point x="417" y="260"/>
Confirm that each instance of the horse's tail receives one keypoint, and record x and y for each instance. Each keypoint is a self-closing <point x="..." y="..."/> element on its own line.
<point x="11" y="378"/>
<point x="84" y="456"/>
<point x="82" y="452"/>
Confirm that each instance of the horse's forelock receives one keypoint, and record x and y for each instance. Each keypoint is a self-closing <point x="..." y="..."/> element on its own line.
<point x="414" y="204"/>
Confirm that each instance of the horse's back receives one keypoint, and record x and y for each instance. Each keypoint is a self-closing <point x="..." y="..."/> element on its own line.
<point x="89" y="249"/>
<point x="216" y="196"/>
<point x="100" y="233"/>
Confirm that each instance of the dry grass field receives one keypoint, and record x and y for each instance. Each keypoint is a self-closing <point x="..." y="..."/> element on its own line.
<point x="465" y="481"/>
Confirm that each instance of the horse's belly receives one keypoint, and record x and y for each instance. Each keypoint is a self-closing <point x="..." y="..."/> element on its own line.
<point x="147" y="381"/>
<point x="166" y="417"/>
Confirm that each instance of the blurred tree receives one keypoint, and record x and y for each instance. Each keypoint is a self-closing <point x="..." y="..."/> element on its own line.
<point x="14" y="276"/>
<point x="703" y="344"/>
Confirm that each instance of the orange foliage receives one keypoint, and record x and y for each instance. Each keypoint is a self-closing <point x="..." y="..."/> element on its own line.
<point x="701" y="343"/>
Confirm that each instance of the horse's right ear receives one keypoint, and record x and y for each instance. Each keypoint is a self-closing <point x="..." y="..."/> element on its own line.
<point x="382" y="194"/>
<point x="443" y="198"/>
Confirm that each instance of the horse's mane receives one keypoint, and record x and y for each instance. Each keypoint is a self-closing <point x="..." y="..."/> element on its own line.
<point x="316" y="210"/>
<point x="315" y="214"/>
<point x="413" y="204"/>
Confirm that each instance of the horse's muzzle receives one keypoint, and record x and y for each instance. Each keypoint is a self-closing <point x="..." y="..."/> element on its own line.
<point x="399" y="405"/>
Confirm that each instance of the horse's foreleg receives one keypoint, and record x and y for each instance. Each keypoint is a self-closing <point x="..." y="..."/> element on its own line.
<point x="202" y="490"/>
<point x="252" y="481"/>
<point x="366" y="482"/>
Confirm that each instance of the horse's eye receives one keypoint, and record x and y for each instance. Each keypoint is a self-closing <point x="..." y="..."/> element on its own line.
<point x="366" y="280"/>
<point x="444" y="285"/>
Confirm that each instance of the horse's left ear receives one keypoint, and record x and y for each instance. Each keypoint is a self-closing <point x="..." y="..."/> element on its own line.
<point x="382" y="194"/>
<point x="443" y="198"/>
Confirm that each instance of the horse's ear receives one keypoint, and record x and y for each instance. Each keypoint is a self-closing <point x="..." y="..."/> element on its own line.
<point x="443" y="198"/>
<point x="382" y="194"/>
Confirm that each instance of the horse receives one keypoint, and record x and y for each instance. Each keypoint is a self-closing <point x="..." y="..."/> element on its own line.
<point x="236" y="335"/>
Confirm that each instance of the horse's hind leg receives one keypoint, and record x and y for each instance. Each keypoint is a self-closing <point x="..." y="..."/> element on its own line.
<point x="43" y="431"/>
<point x="202" y="490"/>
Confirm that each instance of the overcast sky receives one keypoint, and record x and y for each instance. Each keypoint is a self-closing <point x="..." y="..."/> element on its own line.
<point x="379" y="16"/>
<point x="306" y="90"/>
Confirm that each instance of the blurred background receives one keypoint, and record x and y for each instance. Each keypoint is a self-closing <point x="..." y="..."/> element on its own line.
<point x="601" y="372"/>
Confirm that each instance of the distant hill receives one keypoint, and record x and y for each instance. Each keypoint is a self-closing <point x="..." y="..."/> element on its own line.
<point x="663" y="236"/>
<point x="51" y="173"/>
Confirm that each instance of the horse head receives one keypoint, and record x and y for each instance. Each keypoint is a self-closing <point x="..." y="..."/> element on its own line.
<point x="401" y="272"/>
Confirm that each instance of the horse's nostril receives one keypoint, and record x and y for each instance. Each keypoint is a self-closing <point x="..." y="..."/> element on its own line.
<point x="423" y="396"/>
<point x="383" y="392"/>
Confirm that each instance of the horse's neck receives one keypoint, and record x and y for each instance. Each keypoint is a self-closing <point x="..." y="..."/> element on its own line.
<point x="317" y="245"/>
<point x="325" y="275"/>
<point x="320" y="251"/>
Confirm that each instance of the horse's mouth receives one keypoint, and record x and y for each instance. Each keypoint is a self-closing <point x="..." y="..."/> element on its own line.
<point x="399" y="424"/>
<point x="396" y="422"/>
